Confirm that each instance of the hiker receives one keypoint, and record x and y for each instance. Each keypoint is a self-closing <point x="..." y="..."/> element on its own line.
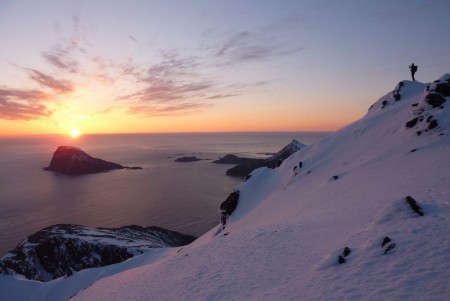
<point x="413" y="69"/>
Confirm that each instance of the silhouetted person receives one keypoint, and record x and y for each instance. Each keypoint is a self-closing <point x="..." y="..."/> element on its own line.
<point x="413" y="69"/>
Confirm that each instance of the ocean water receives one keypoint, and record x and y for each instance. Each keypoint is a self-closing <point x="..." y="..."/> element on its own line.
<point x="179" y="196"/>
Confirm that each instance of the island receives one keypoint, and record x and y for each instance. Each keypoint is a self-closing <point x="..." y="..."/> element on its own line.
<point x="71" y="160"/>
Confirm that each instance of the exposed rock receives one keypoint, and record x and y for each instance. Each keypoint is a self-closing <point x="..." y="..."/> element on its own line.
<point x="414" y="206"/>
<point x="385" y="241"/>
<point x="341" y="259"/>
<point x="187" y="159"/>
<point x="435" y="99"/>
<point x="73" y="161"/>
<point x="228" y="206"/>
<point x="433" y="124"/>
<point x="396" y="93"/>
<point x="443" y="89"/>
<point x="60" y="250"/>
<point x="412" y="122"/>
<point x="346" y="252"/>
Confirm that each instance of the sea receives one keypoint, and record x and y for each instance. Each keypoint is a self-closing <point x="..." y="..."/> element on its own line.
<point x="180" y="196"/>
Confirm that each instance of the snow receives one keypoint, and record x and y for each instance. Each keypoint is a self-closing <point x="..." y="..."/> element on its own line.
<point x="290" y="226"/>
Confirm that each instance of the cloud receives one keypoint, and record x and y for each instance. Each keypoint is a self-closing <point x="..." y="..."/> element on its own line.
<point x="58" y="86"/>
<point x="172" y="86"/>
<point x="61" y="59"/>
<point x="62" y="55"/>
<point x="176" y="109"/>
<point x="173" y="65"/>
<point x="244" y="46"/>
<point x="166" y="90"/>
<point x="23" y="104"/>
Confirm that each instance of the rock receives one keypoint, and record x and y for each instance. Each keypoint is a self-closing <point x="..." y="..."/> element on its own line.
<point x="433" y="124"/>
<point x="396" y="93"/>
<point x="385" y="241"/>
<point x="412" y="122"/>
<point x="341" y="259"/>
<point x="60" y="250"/>
<point x="73" y="161"/>
<point x="435" y="99"/>
<point x="228" y="206"/>
<point x="414" y="206"/>
<point x="346" y="252"/>
<point x="187" y="159"/>
<point x="443" y="89"/>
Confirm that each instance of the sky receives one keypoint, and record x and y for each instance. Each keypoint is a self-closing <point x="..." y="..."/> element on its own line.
<point x="209" y="66"/>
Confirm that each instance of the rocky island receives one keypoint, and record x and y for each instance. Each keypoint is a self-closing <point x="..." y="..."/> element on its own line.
<point x="247" y="165"/>
<point x="187" y="159"/>
<point x="71" y="160"/>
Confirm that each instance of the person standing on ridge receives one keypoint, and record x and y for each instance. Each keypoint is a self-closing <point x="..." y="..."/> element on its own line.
<point x="413" y="69"/>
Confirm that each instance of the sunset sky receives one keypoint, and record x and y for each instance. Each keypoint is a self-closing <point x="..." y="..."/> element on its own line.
<point x="201" y="66"/>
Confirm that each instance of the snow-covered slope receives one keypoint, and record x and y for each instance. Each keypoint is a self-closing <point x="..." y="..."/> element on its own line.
<point x="363" y="186"/>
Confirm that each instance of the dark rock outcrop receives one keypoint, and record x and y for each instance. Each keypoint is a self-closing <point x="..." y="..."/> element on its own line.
<point x="396" y="93"/>
<point x="426" y="111"/>
<point x="60" y="250"/>
<point x="386" y="240"/>
<point x="435" y="99"/>
<point x="414" y="206"/>
<point x="443" y="89"/>
<point x="228" y="207"/>
<point x="273" y="161"/>
<point x="71" y="160"/>
<point x="412" y="122"/>
<point x="230" y="204"/>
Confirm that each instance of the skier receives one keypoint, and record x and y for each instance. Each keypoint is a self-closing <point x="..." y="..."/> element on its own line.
<point x="413" y="69"/>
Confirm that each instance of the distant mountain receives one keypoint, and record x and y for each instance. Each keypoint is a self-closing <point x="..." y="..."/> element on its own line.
<point x="249" y="165"/>
<point x="233" y="159"/>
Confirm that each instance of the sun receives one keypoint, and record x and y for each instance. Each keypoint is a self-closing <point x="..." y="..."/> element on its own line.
<point x="74" y="133"/>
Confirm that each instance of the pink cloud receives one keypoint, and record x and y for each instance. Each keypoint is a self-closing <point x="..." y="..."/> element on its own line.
<point x="58" y="86"/>
<point x="22" y="104"/>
